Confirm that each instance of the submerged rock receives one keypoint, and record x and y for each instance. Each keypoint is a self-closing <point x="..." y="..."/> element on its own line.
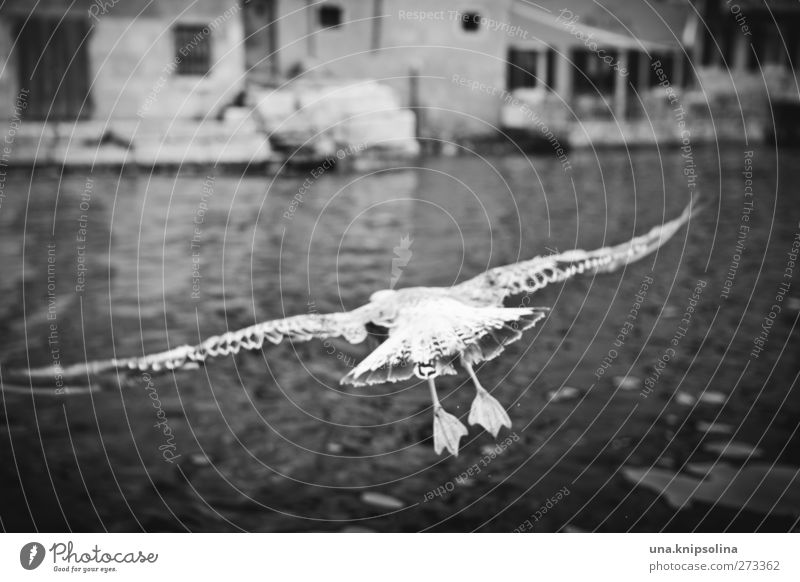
<point x="762" y="488"/>
<point x="381" y="500"/>
<point x="670" y="312"/>
<point x="713" y="398"/>
<point x="714" y="427"/>
<point x="334" y="448"/>
<point x="487" y="450"/>
<point x="563" y="393"/>
<point x="627" y="382"/>
<point x="733" y="449"/>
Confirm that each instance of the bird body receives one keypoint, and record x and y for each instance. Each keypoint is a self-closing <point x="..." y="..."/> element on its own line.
<point x="429" y="327"/>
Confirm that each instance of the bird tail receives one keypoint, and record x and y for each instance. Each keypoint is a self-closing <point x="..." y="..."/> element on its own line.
<point x="494" y="341"/>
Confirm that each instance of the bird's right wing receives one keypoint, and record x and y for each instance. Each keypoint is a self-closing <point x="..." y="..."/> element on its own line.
<point x="352" y="325"/>
<point x="529" y="276"/>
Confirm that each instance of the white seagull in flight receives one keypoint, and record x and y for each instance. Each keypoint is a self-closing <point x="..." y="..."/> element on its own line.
<point x="430" y="330"/>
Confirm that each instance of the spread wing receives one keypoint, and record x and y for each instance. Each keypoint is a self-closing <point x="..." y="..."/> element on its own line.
<point x="529" y="276"/>
<point x="349" y="324"/>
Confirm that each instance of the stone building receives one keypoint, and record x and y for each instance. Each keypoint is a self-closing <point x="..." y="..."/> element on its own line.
<point x="582" y="49"/>
<point x="113" y="59"/>
<point x="454" y="59"/>
<point x="125" y="82"/>
<point x="414" y="46"/>
<point x="452" y="65"/>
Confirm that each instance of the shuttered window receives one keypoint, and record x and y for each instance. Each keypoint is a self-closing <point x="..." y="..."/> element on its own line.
<point x="192" y="49"/>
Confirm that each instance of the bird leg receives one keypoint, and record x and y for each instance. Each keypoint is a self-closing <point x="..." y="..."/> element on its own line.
<point x="486" y="410"/>
<point x="447" y="429"/>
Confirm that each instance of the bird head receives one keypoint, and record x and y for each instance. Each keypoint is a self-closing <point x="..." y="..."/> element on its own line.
<point x="387" y="307"/>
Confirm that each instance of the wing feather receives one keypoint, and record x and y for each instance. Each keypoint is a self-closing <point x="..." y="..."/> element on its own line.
<point x="529" y="276"/>
<point x="351" y="325"/>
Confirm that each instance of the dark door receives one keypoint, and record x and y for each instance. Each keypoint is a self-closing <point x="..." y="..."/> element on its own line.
<point x="261" y="40"/>
<point x="53" y="64"/>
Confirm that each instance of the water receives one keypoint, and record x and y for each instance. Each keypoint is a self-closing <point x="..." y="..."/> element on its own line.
<point x="272" y="442"/>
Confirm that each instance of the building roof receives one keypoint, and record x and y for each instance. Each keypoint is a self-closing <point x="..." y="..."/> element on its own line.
<point x="634" y="24"/>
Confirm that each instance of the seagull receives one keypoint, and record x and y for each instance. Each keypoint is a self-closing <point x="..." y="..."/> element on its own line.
<point x="430" y="331"/>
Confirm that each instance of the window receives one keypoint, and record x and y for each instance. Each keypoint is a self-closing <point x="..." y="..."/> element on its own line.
<point x="192" y="49"/>
<point x="471" y="21"/>
<point x="330" y="16"/>
<point x="593" y="75"/>
<point x="521" y="69"/>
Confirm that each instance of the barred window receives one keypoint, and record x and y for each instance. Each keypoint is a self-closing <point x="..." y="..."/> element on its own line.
<point x="330" y="16"/>
<point x="192" y="49"/>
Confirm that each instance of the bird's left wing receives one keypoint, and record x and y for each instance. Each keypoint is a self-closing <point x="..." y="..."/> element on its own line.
<point x="529" y="276"/>
<point x="352" y="325"/>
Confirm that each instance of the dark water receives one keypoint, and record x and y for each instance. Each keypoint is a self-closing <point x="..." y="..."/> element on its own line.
<point x="271" y="442"/>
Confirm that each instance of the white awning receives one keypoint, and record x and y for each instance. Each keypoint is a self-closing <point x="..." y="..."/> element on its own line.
<point x="557" y="29"/>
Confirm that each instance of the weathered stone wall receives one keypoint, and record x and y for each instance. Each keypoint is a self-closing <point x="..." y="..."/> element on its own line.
<point x="134" y="75"/>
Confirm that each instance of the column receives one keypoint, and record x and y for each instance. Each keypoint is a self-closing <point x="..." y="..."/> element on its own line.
<point x="541" y="68"/>
<point x="564" y="73"/>
<point x="741" y="48"/>
<point x="621" y="86"/>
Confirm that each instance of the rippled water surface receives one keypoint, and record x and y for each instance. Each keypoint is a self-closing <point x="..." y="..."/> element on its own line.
<point x="271" y="442"/>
